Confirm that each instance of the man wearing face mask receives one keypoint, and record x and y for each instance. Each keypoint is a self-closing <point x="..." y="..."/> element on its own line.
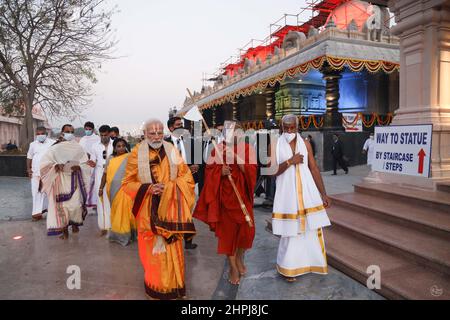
<point x="162" y="188"/>
<point x="64" y="175"/>
<point x="100" y="153"/>
<point x="114" y="133"/>
<point x="185" y="145"/>
<point x="220" y="207"/>
<point x="208" y="146"/>
<point x="37" y="149"/>
<point x="299" y="205"/>
<point x="87" y="142"/>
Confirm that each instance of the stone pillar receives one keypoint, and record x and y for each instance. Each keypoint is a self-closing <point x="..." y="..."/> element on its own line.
<point x="234" y="104"/>
<point x="423" y="27"/>
<point x="333" y="118"/>
<point x="269" y="93"/>
<point x="213" y="111"/>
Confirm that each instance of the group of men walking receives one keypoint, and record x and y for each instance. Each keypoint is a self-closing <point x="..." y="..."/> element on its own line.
<point x="148" y="194"/>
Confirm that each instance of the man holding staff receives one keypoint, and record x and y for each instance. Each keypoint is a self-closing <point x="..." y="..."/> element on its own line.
<point x="226" y="204"/>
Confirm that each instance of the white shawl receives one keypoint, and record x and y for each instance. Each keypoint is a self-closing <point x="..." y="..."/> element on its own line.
<point x="144" y="173"/>
<point x="298" y="205"/>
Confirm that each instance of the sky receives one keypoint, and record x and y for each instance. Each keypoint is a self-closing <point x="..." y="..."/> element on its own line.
<point x="165" y="46"/>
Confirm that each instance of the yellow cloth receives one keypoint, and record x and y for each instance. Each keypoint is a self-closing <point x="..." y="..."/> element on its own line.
<point x="123" y="223"/>
<point x="164" y="271"/>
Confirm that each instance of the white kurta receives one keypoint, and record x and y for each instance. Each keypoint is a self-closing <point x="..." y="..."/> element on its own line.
<point x="87" y="142"/>
<point x="103" y="205"/>
<point x="298" y="216"/>
<point x="369" y="147"/>
<point x="35" y="152"/>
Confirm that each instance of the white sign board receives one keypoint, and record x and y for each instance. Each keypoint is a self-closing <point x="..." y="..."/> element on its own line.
<point x="403" y="149"/>
<point x="350" y="124"/>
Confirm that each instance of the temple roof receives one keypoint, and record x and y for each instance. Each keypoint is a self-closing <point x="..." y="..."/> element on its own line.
<point x="340" y="48"/>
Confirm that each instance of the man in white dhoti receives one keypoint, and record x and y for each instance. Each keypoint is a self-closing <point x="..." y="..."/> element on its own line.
<point x="35" y="152"/>
<point x="100" y="153"/>
<point x="368" y="148"/>
<point x="87" y="142"/>
<point x="299" y="205"/>
<point x="64" y="175"/>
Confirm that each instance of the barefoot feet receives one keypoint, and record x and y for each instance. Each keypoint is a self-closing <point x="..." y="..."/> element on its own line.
<point x="65" y="234"/>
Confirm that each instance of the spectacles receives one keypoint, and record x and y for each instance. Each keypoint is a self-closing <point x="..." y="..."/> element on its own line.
<point x="104" y="154"/>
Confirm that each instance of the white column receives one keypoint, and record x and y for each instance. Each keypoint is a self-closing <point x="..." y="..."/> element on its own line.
<point x="423" y="27"/>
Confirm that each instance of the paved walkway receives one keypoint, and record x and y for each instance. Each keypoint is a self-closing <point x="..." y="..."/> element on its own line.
<point x="35" y="267"/>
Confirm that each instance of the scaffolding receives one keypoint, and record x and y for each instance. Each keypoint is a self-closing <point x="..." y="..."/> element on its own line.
<point x="315" y="13"/>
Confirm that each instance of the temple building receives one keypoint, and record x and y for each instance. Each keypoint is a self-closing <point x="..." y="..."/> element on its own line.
<point x="10" y="125"/>
<point x="343" y="60"/>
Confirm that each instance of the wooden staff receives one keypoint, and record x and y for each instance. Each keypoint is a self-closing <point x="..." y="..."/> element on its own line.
<point x="230" y="178"/>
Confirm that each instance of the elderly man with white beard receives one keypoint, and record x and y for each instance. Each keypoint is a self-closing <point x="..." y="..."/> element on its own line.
<point x="299" y="205"/>
<point x="162" y="188"/>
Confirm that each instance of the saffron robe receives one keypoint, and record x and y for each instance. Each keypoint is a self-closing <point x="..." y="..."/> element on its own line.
<point x="218" y="205"/>
<point x="162" y="220"/>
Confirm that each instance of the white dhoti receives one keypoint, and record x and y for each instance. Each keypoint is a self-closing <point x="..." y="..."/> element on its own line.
<point x="92" y="197"/>
<point x="103" y="205"/>
<point x="298" y="216"/>
<point x="40" y="202"/>
<point x="302" y="254"/>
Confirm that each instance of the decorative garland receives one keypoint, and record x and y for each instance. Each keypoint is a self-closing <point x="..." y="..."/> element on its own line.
<point x="319" y="124"/>
<point x="336" y="63"/>
<point x="318" y="121"/>
<point x="374" y="117"/>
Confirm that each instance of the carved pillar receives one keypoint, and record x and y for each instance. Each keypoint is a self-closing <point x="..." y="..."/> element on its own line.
<point x="424" y="31"/>
<point x="214" y="110"/>
<point x="270" y="97"/>
<point x="234" y="104"/>
<point x="332" y="116"/>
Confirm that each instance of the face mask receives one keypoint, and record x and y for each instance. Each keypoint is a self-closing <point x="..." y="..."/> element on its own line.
<point x="88" y="132"/>
<point x="41" y="137"/>
<point x="106" y="140"/>
<point x="179" y="132"/>
<point x="371" y="137"/>
<point x="113" y="138"/>
<point x="68" y="136"/>
<point x="289" y="136"/>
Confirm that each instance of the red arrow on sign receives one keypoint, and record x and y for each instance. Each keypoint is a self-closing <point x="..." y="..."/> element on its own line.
<point x="421" y="155"/>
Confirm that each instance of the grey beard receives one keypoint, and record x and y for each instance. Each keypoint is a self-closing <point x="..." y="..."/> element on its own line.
<point x="154" y="145"/>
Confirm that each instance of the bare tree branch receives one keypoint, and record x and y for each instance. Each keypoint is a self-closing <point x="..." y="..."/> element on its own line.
<point x="50" y="51"/>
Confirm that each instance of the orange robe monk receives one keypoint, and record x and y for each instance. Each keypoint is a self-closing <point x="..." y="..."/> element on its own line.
<point x="162" y="220"/>
<point x="218" y="205"/>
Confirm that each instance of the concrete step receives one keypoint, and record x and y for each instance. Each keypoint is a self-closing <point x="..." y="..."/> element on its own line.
<point x="444" y="187"/>
<point x="400" y="278"/>
<point x="434" y="221"/>
<point x="420" y="247"/>
<point x="432" y="199"/>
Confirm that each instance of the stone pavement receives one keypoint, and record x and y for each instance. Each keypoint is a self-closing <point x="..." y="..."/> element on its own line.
<point x="15" y="198"/>
<point x="35" y="267"/>
<point x="263" y="281"/>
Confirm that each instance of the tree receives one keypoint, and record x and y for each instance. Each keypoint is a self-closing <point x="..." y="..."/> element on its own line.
<point x="49" y="53"/>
